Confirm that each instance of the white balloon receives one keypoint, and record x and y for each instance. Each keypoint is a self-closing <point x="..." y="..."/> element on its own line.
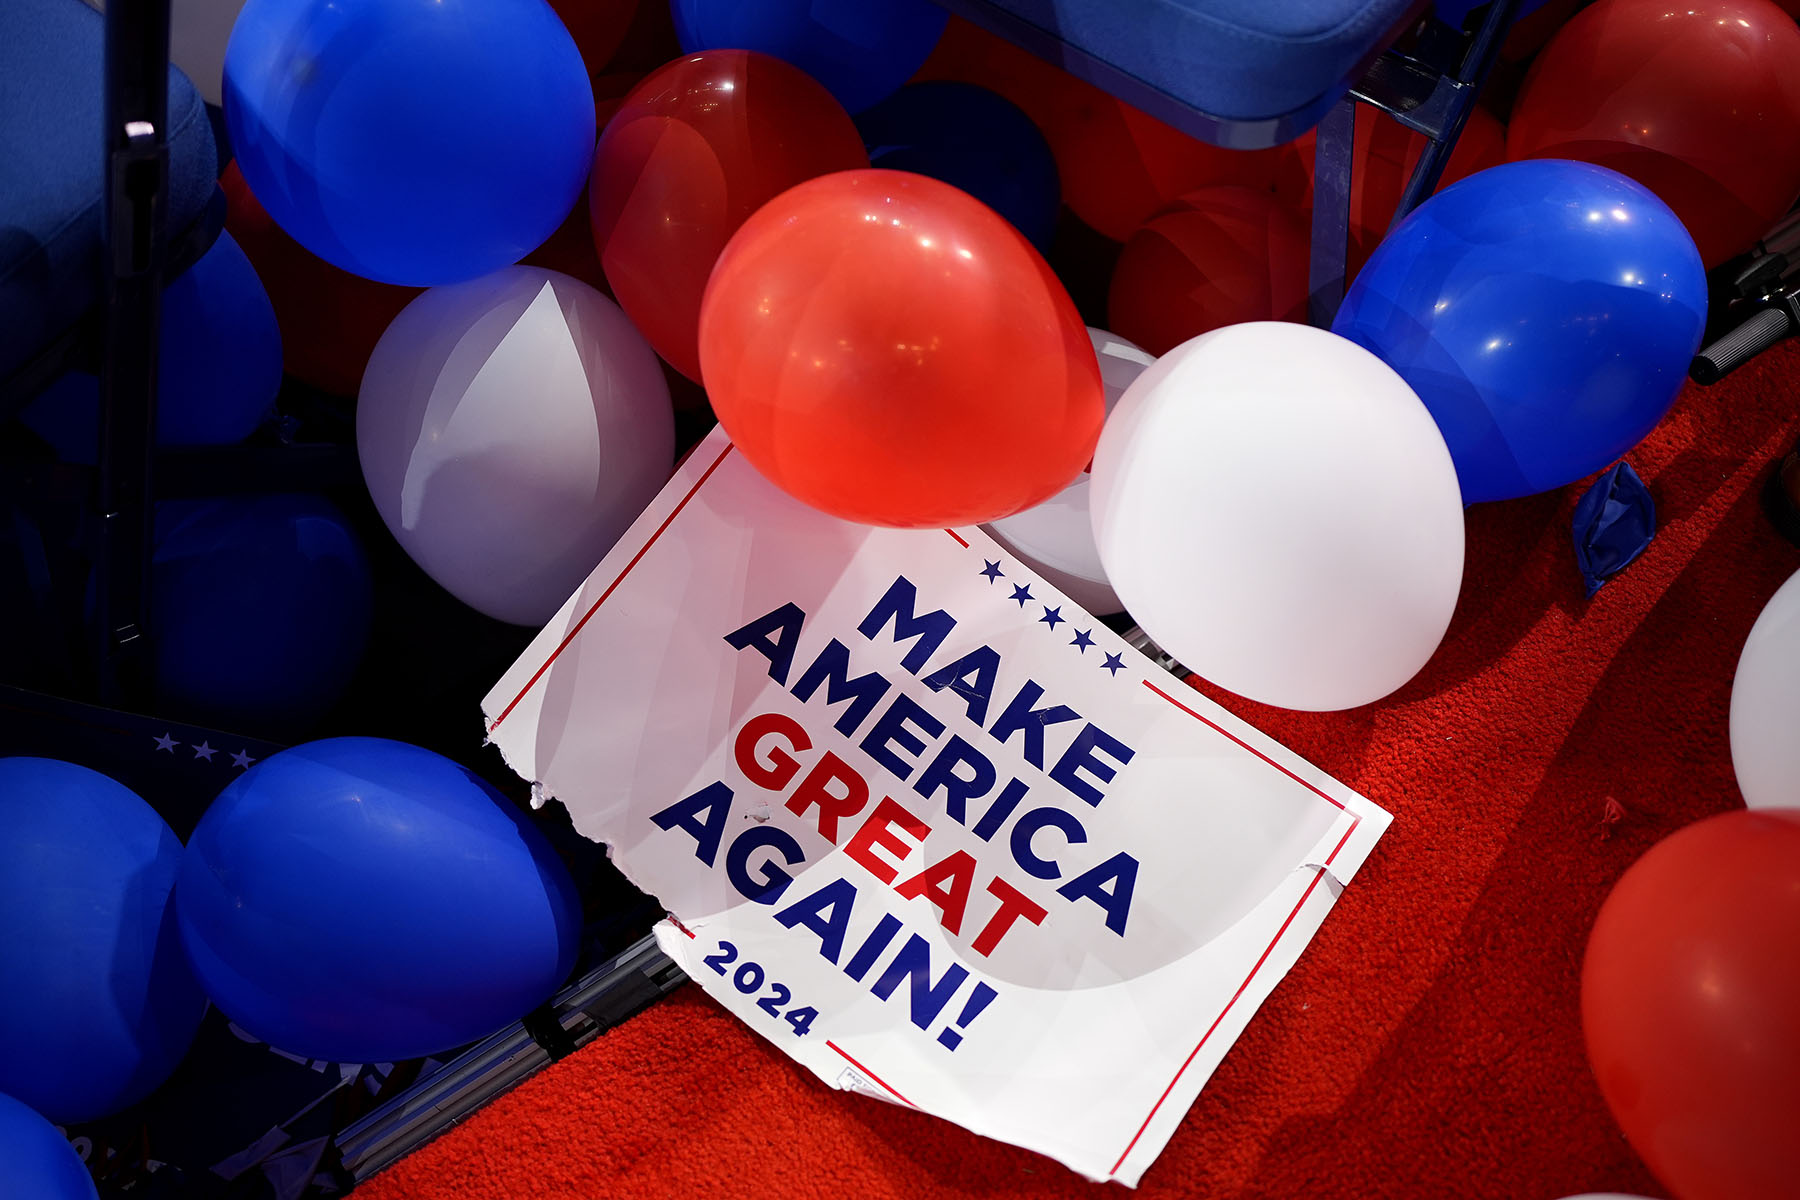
<point x="1278" y="511"/>
<point x="1056" y="538"/>
<point x="1765" y="705"/>
<point x="510" y="429"/>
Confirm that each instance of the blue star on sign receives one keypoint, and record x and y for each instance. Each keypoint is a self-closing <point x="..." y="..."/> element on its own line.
<point x="992" y="571"/>
<point x="1021" y="593"/>
<point x="1113" y="664"/>
<point x="1052" y="617"/>
<point x="1082" y="640"/>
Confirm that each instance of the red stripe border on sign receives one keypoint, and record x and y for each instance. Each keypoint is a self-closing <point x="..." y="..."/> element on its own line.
<point x="1267" y="950"/>
<point x="872" y="1075"/>
<point x="1325" y="796"/>
<point x="635" y="559"/>
<point x="1248" y="979"/>
<point x="1242" y="987"/>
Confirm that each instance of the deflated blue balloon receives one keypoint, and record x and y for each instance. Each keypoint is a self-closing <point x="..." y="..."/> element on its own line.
<point x="36" y="1160"/>
<point x="1614" y="521"/>
<point x="363" y="900"/>
<point x="218" y="365"/>
<point x="97" y="1004"/>
<point x="972" y="139"/>
<point x="262" y="607"/>
<point x="1545" y="312"/>
<point x="410" y="141"/>
<point x="861" y="50"/>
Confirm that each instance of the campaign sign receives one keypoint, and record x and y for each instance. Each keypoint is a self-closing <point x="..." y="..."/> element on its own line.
<point x="922" y="822"/>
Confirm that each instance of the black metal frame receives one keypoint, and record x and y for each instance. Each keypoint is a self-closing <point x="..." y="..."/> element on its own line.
<point x="136" y="199"/>
<point x="118" y="341"/>
<point x="1430" y="90"/>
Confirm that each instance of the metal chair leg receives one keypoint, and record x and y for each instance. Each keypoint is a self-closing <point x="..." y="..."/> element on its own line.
<point x="1471" y="73"/>
<point x="1333" y="156"/>
<point x="136" y="199"/>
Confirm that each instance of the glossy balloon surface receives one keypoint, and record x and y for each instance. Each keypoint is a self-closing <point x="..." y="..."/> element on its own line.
<point x="363" y="900"/>
<point x="1765" y="705"/>
<point x="1278" y="512"/>
<point x="1698" y="101"/>
<point x="1218" y="256"/>
<point x="1056" y="538"/>
<point x="40" y="1162"/>
<point x="1688" y="994"/>
<point x="509" y="430"/>
<point x="97" y="1004"/>
<point x="410" y="141"/>
<point x="889" y="350"/>
<point x="693" y="150"/>
<point x="1545" y="312"/>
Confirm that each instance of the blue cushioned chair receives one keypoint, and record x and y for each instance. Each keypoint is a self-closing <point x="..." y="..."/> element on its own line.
<point x="1255" y="73"/>
<point x="108" y="188"/>
<point x="52" y="181"/>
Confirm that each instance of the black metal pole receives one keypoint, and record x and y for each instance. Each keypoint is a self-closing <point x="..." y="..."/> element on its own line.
<point x="136" y="198"/>
<point x="1471" y="73"/>
<point x="1334" y="156"/>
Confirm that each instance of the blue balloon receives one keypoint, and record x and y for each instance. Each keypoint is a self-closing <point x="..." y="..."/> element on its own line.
<point x="1545" y="312"/>
<point x="262" y="606"/>
<point x="410" y="141"/>
<point x="861" y="50"/>
<point x="36" y="1162"/>
<point x="218" y="365"/>
<point x="972" y="139"/>
<point x="363" y="900"/>
<point x="97" y="1004"/>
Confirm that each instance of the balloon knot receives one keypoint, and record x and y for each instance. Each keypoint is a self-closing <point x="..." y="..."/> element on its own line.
<point x="1610" y="815"/>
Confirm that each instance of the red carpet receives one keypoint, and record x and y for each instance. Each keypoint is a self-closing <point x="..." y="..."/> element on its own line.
<point x="1428" y="1044"/>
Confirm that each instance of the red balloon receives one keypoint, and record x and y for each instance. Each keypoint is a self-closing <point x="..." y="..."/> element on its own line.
<point x="330" y="319"/>
<point x="1700" y="105"/>
<point x="888" y="349"/>
<point x="696" y="148"/>
<point x="1119" y="165"/>
<point x="1690" y="1002"/>
<point x="1222" y="256"/>
<point x="970" y="54"/>
<point x="1385" y="155"/>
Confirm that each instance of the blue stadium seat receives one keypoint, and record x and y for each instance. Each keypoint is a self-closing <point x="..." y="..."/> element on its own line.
<point x="52" y="271"/>
<point x="1246" y="73"/>
<point x="1255" y="73"/>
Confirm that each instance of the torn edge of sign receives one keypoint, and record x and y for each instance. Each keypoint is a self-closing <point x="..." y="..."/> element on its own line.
<point x="681" y="939"/>
<point x="1338" y="857"/>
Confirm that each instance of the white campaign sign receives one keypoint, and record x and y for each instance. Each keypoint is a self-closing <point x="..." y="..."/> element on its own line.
<point x="920" y="821"/>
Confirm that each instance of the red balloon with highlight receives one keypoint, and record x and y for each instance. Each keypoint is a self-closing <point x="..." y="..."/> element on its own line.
<point x="890" y="350"/>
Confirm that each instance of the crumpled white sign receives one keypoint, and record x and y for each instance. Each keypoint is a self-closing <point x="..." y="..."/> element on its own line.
<point x="923" y="823"/>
